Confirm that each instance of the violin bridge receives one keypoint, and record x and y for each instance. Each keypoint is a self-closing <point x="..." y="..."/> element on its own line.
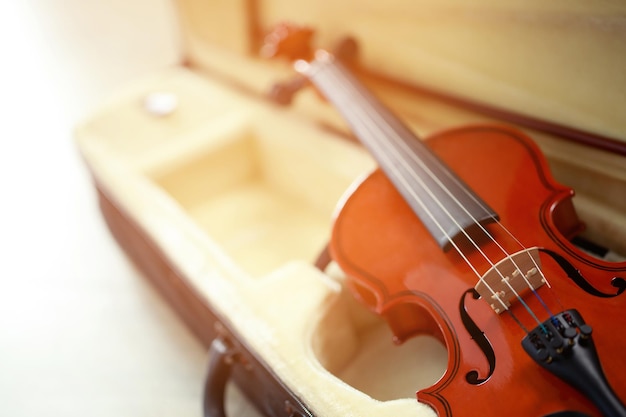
<point x="509" y="278"/>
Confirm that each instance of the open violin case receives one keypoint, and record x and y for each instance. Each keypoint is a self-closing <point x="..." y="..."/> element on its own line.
<point x="224" y="193"/>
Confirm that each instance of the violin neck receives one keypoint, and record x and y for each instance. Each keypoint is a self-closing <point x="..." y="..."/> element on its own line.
<point x="442" y="201"/>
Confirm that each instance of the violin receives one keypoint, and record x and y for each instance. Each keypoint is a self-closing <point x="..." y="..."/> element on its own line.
<point x="466" y="236"/>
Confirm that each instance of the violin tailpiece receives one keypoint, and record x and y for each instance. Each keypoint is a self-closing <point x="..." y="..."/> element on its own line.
<point x="563" y="345"/>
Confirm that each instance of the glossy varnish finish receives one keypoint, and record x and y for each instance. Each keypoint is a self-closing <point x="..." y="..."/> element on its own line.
<point x="397" y="268"/>
<point x="390" y="238"/>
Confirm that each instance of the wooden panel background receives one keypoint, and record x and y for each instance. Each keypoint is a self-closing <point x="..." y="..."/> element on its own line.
<point x="564" y="61"/>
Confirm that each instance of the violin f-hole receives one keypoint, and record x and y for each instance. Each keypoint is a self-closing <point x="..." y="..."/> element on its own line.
<point x="479" y="337"/>
<point x="575" y="275"/>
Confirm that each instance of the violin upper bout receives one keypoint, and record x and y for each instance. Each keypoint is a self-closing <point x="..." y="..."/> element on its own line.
<point x="376" y="239"/>
<point x="518" y="171"/>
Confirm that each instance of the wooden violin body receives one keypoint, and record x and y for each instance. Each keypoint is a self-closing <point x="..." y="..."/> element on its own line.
<point x="397" y="269"/>
<point x="468" y="239"/>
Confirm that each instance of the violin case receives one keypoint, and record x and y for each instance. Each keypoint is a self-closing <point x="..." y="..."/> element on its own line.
<point x="225" y="198"/>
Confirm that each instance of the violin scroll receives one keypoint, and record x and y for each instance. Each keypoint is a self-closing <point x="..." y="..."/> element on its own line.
<point x="293" y="42"/>
<point x="289" y="41"/>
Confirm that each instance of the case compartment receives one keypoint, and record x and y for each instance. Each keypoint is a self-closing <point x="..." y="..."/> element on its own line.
<point x="356" y="346"/>
<point x="245" y="192"/>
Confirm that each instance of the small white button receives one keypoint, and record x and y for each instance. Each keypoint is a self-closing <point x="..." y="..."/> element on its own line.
<point x="160" y="104"/>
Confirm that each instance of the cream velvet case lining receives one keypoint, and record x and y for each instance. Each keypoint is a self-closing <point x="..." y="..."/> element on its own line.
<point x="241" y="197"/>
<point x="236" y="196"/>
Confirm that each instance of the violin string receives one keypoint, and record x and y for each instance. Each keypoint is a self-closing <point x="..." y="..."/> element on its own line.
<point x="477" y="201"/>
<point x="408" y="151"/>
<point x="454" y="244"/>
<point x="388" y="130"/>
<point x="443" y="208"/>
<point x="463" y="188"/>
<point x="342" y="73"/>
<point x="433" y="160"/>
<point x="519" y="323"/>
<point x="367" y="118"/>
